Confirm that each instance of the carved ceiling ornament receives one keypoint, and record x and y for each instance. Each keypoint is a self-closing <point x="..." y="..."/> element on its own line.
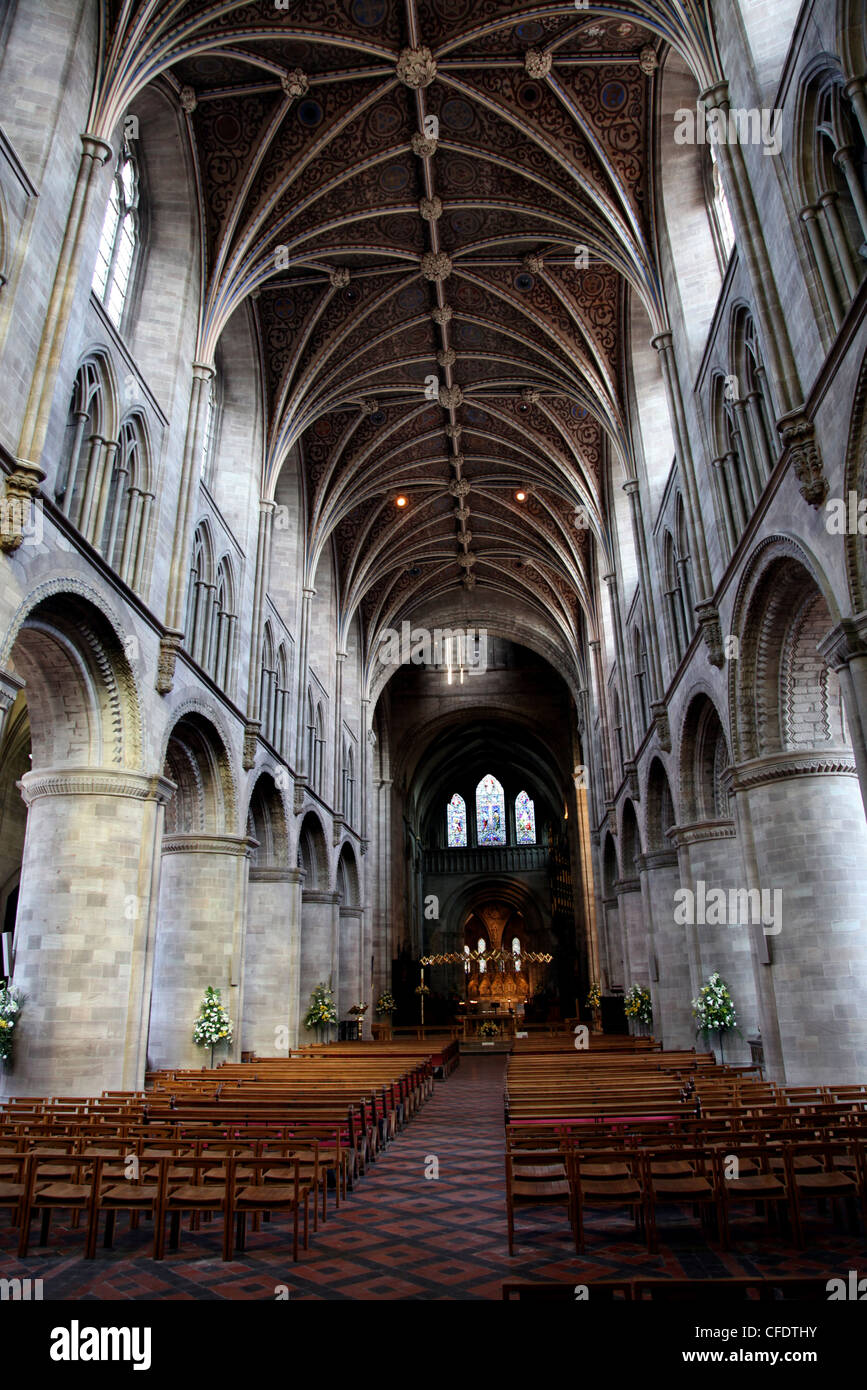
<point x="537" y="64"/>
<point x="447" y="357"/>
<point x="431" y="209"/>
<point x="416" y="67"/>
<point x="295" y="83"/>
<point x="339" y="277"/>
<point x="188" y="99"/>
<point x="442" y="314"/>
<point x="450" y="397"/>
<point x="436" y="265"/>
<point x="459" y="487"/>
<point x="424" y="145"/>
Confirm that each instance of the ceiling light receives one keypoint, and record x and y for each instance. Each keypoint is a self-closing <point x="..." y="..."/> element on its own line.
<point x="400" y="501"/>
<point x="521" y="496"/>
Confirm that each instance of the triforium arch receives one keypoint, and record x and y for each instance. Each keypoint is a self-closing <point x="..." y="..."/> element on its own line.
<point x="703" y="759"/>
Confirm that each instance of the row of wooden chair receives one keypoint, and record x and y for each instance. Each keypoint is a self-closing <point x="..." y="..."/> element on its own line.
<point x="170" y="1186"/>
<point x="709" y="1180"/>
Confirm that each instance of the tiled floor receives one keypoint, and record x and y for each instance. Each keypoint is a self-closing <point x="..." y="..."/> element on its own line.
<point x="406" y="1235"/>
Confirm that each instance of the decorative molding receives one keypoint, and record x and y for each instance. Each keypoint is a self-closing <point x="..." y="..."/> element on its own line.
<point x="708" y="618"/>
<point x="778" y="767"/>
<point x="662" y="726"/>
<point x="273" y="873"/>
<point x="237" y="846"/>
<point x="700" y="831"/>
<point x="169" y="646"/>
<point x="845" y="642"/>
<point x="656" y="859"/>
<point x="319" y="895"/>
<point x="20" y="486"/>
<point x="798" y="435"/>
<point x="95" y="781"/>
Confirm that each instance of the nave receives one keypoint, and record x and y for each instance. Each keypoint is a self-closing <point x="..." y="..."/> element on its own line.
<point x="402" y="1235"/>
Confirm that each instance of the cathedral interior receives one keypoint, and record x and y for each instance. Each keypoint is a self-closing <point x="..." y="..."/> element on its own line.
<point x="434" y="453"/>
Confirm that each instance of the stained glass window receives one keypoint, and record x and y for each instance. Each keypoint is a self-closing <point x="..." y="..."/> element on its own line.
<point x="456" y="819"/>
<point x="516" y="951"/>
<point x="483" y="964"/>
<point x="490" y="812"/>
<point x="525" y="820"/>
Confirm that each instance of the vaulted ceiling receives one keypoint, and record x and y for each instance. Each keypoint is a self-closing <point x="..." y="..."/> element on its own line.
<point x="435" y="207"/>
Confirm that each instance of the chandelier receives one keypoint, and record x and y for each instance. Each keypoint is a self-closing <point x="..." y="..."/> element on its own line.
<point x="497" y="957"/>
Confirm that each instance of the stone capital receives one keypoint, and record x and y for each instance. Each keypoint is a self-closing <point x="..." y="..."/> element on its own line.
<point x="709" y="623"/>
<point x="252" y="729"/>
<point x="845" y="642"/>
<point x="661" y="724"/>
<point x="778" y="767"/>
<point x="236" y="846"/>
<point x="20" y="487"/>
<point x="170" y="644"/>
<point x="699" y="831"/>
<point x="95" y="781"/>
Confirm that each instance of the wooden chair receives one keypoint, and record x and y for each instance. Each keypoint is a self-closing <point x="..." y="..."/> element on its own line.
<point x="47" y="1191"/>
<point x="535" y="1177"/>
<point x="623" y="1185"/>
<point x="183" y="1189"/>
<point x="274" y="1186"/>
<point x="754" y="1180"/>
<point x="680" y="1177"/>
<point x="823" y="1180"/>
<point x="116" y="1192"/>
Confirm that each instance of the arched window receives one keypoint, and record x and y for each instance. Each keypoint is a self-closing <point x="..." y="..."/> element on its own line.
<point x="219" y="662"/>
<point x="525" y="820"/>
<point x="268" y="685"/>
<point x="86" y="450"/>
<point x="718" y="208"/>
<point x="456" y="823"/>
<point x="483" y="964"/>
<point x="128" y="506"/>
<point x="281" y="709"/>
<point x="200" y="596"/>
<point x="120" y="238"/>
<point x="734" y="494"/>
<point x="490" y="812"/>
<point x="516" y="951"/>
<point x="618" y="732"/>
<point x="211" y="429"/>
<point x="468" y="964"/>
<point x="673" y="599"/>
<point x="833" y="163"/>
<point x="348" y="783"/>
<point x="639" y="656"/>
<point x="315" y="744"/>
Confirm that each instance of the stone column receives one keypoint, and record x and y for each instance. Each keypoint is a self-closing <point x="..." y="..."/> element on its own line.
<point x="845" y="651"/>
<point x="670" y="983"/>
<point x="710" y="861"/>
<point x="634" y="735"/>
<point x="260" y="589"/>
<point x="318" y="964"/>
<point x="351" y="989"/>
<point x="188" y="484"/>
<point x="632" y="491"/>
<point x="94" y="154"/>
<point x="9" y="688"/>
<point x="633" y="931"/>
<point x="804" y="819"/>
<point x="304" y="772"/>
<point x="381" y="927"/>
<point x="200" y="942"/>
<point x="270" y="961"/>
<point x="85" y="933"/>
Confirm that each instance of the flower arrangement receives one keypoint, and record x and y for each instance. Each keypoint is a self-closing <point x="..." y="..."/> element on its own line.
<point x="422" y="989"/>
<point x="637" y="1004"/>
<point x="358" y="1010"/>
<point x="385" y="1003"/>
<point x="213" y="1025"/>
<point x="594" y="998"/>
<point x="10" y="1005"/>
<point x="322" y="1010"/>
<point x="714" y="1008"/>
<point x="488" y="1029"/>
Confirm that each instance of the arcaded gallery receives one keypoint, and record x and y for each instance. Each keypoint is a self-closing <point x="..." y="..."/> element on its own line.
<point x="433" y="654"/>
